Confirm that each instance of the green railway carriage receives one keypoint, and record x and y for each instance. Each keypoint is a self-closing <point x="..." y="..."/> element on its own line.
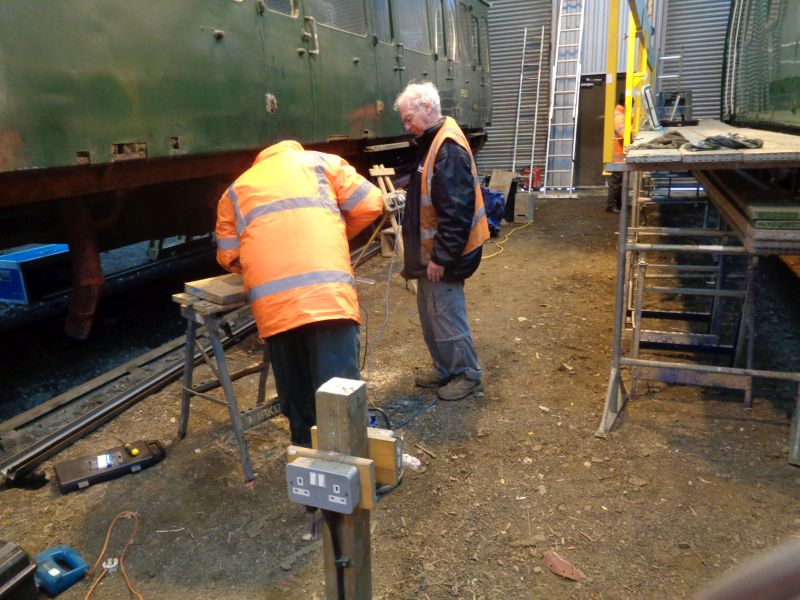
<point x="141" y="112"/>
<point x="761" y="85"/>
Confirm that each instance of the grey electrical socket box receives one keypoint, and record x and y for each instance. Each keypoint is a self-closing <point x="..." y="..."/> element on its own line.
<point x="323" y="484"/>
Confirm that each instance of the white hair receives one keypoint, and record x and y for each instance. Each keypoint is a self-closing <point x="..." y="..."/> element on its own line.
<point x="417" y="93"/>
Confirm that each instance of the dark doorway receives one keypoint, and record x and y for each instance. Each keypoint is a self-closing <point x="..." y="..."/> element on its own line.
<point x="589" y="144"/>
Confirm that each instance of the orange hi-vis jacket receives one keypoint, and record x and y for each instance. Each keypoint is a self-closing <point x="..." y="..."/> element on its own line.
<point x="427" y="211"/>
<point x="284" y="225"/>
<point x="619" y="132"/>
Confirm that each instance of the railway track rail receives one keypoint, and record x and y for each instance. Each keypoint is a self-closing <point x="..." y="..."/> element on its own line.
<point x="135" y="380"/>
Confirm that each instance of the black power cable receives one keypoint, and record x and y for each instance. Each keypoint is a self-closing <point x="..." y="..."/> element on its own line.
<point x="341" y="562"/>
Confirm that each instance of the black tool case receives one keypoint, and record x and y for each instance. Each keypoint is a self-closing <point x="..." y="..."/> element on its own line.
<point x="16" y="574"/>
<point x="79" y="473"/>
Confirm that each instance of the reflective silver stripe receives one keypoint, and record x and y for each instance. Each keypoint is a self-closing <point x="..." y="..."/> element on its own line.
<point x="427" y="234"/>
<point x="478" y="216"/>
<point x="289" y="204"/>
<point x="322" y="180"/>
<point x="324" y="191"/>
<point x="425" y="200"/>
<point x="234" y="200"/>
<point x="297" y="281"/>
<point x="358" y="195"/>
<point x="227" y="243"/>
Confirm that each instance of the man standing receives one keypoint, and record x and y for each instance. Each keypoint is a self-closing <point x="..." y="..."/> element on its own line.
<point x="444" y="227"/>
<point x="284" y="225"/>
<point x="614" y="200"/>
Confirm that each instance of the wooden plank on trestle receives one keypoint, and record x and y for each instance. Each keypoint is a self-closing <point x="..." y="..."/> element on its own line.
<point x="225" y="289"/>
<point x="500" y="181"/>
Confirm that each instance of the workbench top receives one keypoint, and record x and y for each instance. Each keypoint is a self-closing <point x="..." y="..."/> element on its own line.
<point x="779" y="149"/>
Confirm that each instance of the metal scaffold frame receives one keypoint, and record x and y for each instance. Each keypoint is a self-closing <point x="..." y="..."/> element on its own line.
<point x="632" y="283"/>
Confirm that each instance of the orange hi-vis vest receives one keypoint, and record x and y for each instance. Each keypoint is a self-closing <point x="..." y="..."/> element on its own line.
<point x="284" y="224"/>
<point x="479" y="232"/>
<point x="619" y="133"/>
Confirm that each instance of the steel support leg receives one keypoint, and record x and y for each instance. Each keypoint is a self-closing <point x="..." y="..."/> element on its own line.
<point x="794" y="435"/>
<point x="616" y="397"/>
<point x="188" y="371"/>
<point x="227" y="386"/>
<point x="262" y="378"/>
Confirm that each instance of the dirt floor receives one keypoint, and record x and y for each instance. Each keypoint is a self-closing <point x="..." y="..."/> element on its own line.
<point x="686" y="487"/>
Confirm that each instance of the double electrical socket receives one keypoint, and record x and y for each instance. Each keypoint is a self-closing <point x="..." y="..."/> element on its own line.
<point x="323" y="484"/>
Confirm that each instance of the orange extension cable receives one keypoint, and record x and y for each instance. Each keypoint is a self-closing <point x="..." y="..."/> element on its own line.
<point x="125" y="514"/>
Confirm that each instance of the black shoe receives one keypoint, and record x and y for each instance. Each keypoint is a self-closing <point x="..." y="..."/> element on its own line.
<point x="612" y="209"/>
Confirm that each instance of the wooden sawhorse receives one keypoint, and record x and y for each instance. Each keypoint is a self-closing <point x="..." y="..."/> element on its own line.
<point x="198" y="309"/>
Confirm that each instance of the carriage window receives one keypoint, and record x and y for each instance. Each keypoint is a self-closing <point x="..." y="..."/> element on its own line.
<point x="412" y="25"/>
<point x="473" y="36"/>
<point x="450" y="17"/>
<point x="440" y="45"/>
<point x="463" y="46"/>
<point x="383" y="20"/>
<point x="341" y="14"/>
<point x="287" y="7"/>
<point x="484" y="37"/>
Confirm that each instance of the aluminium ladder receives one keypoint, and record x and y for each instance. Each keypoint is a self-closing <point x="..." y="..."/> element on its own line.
<point x="524" y="118"/>
<point x="564" y="92"/>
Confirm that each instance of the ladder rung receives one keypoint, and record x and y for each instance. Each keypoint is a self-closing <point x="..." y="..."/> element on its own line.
<point x="569" y="139"/>
<point x="564" y="92"/>
<point x="564" y="60"/>
<point x="569" y="30"/>
<point x="560" y="155"/>
<point x="566" y="46"/>
<point x="577" y="14"/>
<point x="566" y="77"/>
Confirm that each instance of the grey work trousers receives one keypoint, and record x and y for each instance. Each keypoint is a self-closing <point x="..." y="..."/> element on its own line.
<point x="445" y="328"/>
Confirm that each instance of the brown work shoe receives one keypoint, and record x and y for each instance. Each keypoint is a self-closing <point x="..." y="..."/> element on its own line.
<point x="430" y="379"/>
<point x="459" y="388"/>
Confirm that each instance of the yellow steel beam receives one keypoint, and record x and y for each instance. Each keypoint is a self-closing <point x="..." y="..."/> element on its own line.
<point x="630" y="76"/>
<point x="611" y="81"/>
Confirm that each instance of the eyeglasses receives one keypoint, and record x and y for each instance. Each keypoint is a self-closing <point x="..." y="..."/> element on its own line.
<point x="408" y="118"/>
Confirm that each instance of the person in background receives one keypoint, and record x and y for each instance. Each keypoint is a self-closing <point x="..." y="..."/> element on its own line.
<point x="614" y="201"/>
<point x="284" y="225"/>
<point x="444" y="226"/>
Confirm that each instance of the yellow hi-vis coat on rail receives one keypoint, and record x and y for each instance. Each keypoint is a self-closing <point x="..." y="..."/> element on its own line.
<point x="284" y="225"/>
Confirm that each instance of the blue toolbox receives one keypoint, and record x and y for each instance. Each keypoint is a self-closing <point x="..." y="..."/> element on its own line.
<point x="59" y="568"/>
<point x="31" y="273"/>
<point x="17" y="580"/>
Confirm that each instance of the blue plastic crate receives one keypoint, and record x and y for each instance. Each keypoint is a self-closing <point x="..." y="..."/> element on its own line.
<point x="28" y="274"/>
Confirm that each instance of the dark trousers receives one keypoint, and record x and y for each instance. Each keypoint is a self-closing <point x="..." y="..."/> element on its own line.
<point x="306" y="357"/>
<point x="614" y="199"/>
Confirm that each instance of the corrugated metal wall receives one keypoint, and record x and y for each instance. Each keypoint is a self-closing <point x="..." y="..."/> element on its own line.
<point x="696" y="31"/>
<point x="507" y="19"/>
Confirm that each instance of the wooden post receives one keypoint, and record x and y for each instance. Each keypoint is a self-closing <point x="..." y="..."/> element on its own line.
<point x="342" y="427"/>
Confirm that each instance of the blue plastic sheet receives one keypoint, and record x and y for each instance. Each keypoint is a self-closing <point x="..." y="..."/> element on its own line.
<point x="495" y="206"/>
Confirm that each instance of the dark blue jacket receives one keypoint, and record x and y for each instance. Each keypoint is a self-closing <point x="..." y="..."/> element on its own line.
<point x="453" y="197"/>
